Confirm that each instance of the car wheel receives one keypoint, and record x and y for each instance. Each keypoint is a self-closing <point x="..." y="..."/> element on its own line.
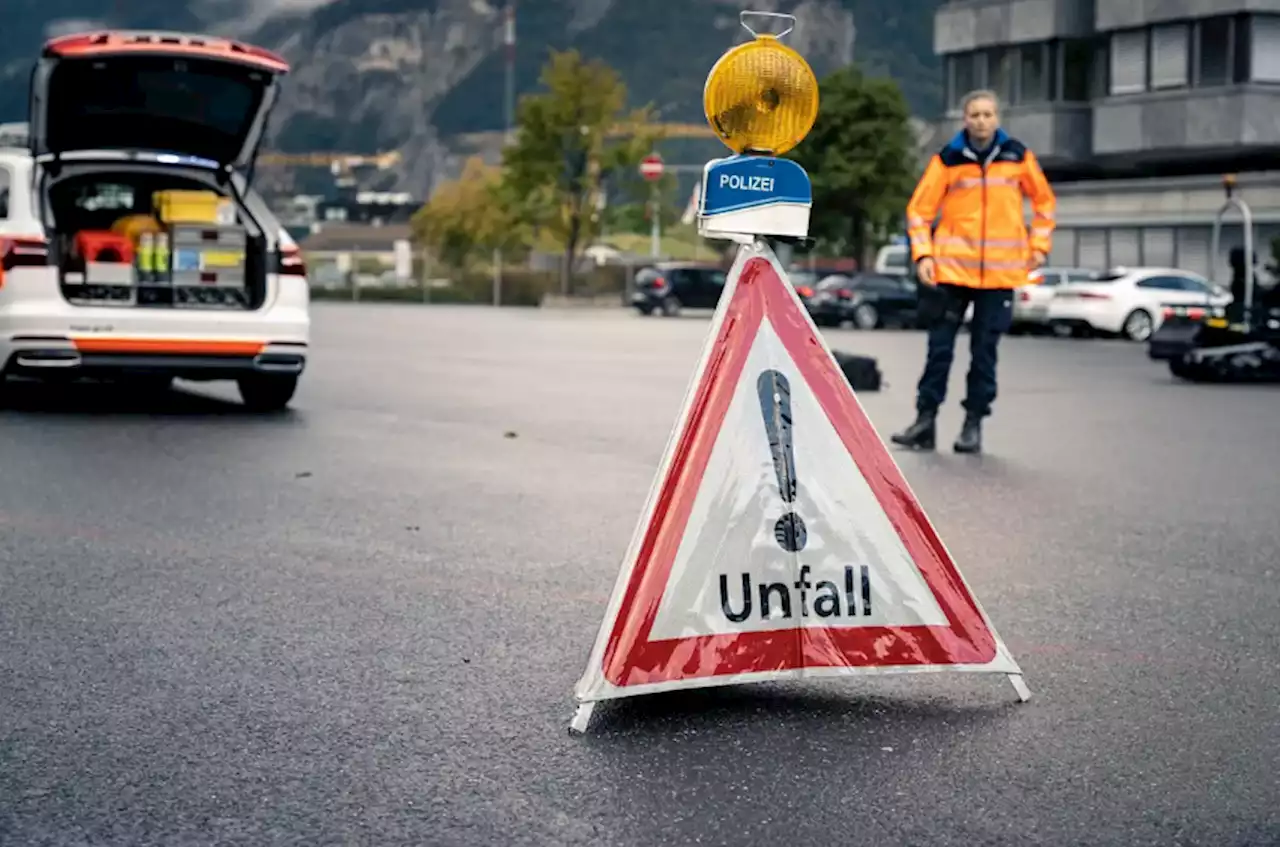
<point x="267" y="392"/>
<point x="671" y="305"/>
<point x="866" y="317"/>
<point x="1138" y="325"/>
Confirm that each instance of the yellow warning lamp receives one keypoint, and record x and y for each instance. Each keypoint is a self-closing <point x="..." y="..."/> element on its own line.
<point x="1229" y="183"/>
<point x="761" y="97"/>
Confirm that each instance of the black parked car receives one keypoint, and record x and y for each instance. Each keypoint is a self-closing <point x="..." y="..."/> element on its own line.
<point x="867" y="300"/>
<point x="667" y="287"/>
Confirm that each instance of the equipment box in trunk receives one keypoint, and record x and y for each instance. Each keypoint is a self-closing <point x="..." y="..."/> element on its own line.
<point x="198" y="266"/>
<point x="105" y="213"/>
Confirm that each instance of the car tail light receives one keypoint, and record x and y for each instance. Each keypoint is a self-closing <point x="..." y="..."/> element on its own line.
<point x="804" y="291"/>
<point x="658" y="283"/>
<point x="291" y="262"/>
<point x="1195" y="314"/>
<point x="1169" y="312"/>
<point x="844" y="294"/>
<point x="1024" y="296"/>
<point x="22" y="251"/>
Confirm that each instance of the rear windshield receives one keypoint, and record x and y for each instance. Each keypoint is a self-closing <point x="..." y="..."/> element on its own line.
<point x="1103" y="276"/>
<point x="895" y="259"/>
<point x="153" y="103"/>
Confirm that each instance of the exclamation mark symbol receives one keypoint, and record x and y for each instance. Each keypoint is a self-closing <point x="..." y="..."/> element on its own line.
<point x="775" y="406"/>
<point x="866" y="591"/>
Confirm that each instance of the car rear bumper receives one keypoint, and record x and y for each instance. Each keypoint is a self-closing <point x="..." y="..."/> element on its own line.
<point x="828" y="311"/>
<point x="648" y="299"/>
<point x="43" y="337"/>
<point x="53" y="357"/>
<point x="1100" y="317"/>
<point x="1030" y="314"/>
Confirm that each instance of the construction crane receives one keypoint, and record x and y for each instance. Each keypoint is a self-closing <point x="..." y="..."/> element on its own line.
<point x="671" y="131"/>
<point x="336" y="162"/>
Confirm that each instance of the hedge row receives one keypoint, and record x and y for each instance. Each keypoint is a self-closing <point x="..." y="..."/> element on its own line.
<point x="520" y="287"/>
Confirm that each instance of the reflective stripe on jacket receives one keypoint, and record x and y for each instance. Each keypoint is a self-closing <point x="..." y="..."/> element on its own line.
<point x="981" y="240"/>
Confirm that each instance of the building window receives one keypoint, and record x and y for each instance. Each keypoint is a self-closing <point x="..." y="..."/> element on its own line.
<point x="1077" y="71"/>
<point x="1170" y="62"/>
<point x="1213" y="52"/>
<point x="964" y="76"/>
<point x="1001" y="67"/>
<point x="1129" y="62"/>
<point x="1036" y="76"/>
<point x="4" y="193"/>
<point x="1125" y="247"/>
<point x="1265" y="50"/>
<point x="1242" y="49"/>
<point x="1158" y="247"/>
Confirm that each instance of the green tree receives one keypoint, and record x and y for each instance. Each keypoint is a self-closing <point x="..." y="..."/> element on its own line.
<point x="570" y="138"/>
<point x="468" y="218"/>
<point x="860" y="157"/>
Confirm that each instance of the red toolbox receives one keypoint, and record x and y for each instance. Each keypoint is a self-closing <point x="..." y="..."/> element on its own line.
<point x="103" y="246"/>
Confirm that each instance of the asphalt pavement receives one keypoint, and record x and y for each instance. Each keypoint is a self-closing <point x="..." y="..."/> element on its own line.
<point x="360" y="623"/>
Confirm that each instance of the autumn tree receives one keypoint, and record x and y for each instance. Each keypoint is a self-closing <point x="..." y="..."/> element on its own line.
<point x="571" y="137"/>
<point x="466" y="219"/>
<point x="860" y="157"/>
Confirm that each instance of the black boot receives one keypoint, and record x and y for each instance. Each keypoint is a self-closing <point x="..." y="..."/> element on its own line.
<point x="922" y="435"/>
<point x="970" y="440"/>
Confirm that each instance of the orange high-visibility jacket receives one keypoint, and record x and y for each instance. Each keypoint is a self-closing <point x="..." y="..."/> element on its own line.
<point x="981" y="240"/>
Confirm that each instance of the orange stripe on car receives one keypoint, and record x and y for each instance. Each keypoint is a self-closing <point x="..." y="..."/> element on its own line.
<point x="169" y="346"/>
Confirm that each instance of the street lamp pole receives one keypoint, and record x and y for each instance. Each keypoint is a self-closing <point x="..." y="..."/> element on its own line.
<point x="509" y="119"/>
<point x="509" y="45"/>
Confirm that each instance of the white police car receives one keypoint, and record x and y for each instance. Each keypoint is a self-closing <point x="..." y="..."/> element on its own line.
<point x="115" y="118"/>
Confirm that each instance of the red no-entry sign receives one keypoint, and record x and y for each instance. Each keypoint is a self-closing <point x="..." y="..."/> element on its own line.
<point x="651" y="167"/>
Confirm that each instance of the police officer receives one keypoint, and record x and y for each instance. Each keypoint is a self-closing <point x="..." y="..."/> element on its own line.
<point x="978" y="253"/>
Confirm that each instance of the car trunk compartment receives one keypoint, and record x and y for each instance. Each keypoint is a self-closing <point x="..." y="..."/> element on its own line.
<point x="112" y="246"/>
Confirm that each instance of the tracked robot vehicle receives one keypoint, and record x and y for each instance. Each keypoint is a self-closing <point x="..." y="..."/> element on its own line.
<point x="1238" y="343"/>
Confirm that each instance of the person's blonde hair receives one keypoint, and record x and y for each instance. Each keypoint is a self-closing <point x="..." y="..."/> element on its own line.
<point x="980" y="94"/>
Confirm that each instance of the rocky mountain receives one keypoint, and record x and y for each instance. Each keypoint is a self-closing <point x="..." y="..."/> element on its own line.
<point x="416" y="75"/>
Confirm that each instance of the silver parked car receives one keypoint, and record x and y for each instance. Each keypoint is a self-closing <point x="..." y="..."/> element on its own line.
<point x="1031" y="306"/>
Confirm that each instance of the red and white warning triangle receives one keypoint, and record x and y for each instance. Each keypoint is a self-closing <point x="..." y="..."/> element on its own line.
<point x="780" y="538"/>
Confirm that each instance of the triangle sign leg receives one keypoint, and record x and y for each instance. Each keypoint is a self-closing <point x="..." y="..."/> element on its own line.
<point x="780" y="538"/>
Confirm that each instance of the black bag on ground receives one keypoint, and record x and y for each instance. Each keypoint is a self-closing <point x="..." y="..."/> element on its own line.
<point x="862" y="371"/>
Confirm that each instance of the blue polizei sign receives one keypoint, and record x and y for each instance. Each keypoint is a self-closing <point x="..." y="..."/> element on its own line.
<point x="754" y="195"/>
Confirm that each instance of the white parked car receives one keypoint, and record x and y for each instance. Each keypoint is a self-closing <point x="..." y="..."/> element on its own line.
<point x="893" y="260"/>
<point x="1031" y="305"/>
<point x="115" y="118"/>
<point x="1128" y="301"/>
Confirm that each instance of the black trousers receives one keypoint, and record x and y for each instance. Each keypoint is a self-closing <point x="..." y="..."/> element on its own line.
<point x="942" y="309"/>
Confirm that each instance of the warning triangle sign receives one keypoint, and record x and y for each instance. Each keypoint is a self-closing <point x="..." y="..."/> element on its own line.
<point x="780" y="538"/>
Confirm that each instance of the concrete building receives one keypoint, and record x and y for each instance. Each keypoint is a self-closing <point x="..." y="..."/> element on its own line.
<point x="1137" y="108"/>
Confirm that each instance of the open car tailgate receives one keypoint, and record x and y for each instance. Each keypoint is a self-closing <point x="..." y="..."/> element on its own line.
<point x="170" y="92"/>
